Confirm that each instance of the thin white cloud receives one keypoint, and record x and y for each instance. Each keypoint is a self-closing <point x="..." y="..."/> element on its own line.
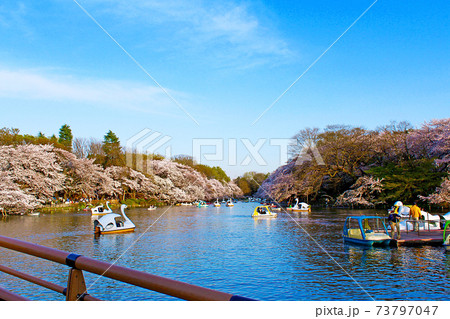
<point x="30" y="85"/>
<point x="228" y="31"/>
<point x="12" y="15"/>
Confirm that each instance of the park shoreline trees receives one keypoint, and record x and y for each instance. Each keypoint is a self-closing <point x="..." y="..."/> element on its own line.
<point x="34" y="175"/>
<point x="353" y="166"/>
<point x="36" y="171"/>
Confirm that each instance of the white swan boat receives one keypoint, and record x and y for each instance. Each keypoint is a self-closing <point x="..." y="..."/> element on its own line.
<point x="216" y="203"/>
<point x="153" y="207"/>
<point x="230" y="203"/>
<point x="426" y="222"/>
<point x="100" y="210"/>
<point x="114" y="223"/>
<point x="33" y="214"/>
<point x="300" y="207"/>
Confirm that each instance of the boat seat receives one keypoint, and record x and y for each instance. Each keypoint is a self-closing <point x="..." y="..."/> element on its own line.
<point x="355" y="233"/>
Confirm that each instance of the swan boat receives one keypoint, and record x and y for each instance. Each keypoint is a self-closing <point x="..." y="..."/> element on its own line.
<point x="263" y="212"/>
<point x="153" y="207"/>
<point x="431" y="222"/>
<point x="33" y="214"/>
<point x="114" y="223"/>
<point x="300" y="207"/>
<point x="202" y="204"/>
<point x="230" y="203"/>
<point x="366" y="230"/>
<point x="100" y="210"/>
<point x="216" y="203"/>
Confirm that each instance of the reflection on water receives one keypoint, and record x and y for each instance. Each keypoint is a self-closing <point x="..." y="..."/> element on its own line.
<point x="226" y="249"/>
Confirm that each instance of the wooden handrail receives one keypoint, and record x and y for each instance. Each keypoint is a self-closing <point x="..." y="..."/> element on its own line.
<point x="138" y="278"/>
<point x="7" y="295"/>
<point x="41" y="282"/>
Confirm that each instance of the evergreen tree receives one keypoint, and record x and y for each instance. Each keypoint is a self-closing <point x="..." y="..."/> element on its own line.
<point x="112" y="150"/>
<point x="65" y="137"/>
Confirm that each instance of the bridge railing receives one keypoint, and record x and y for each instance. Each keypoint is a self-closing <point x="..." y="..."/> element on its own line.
<point x="76" y="287"/>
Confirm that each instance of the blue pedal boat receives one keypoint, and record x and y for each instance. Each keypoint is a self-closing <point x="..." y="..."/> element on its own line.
<point x="366" y="230"/>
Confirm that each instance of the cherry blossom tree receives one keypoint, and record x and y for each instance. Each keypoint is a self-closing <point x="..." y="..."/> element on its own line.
<point x="12" y="198"/>
<point x="279" y="185"/>
<point x="84" y="178"/>
<point x="34" y="168"/>
<point x="362" y="193"/>
<point x="432" y="140"/>
<point x="442" y="194"/>
<point x="32" y="175"/>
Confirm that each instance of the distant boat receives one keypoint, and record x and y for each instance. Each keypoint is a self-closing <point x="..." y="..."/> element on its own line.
<point x="230" y="203"/>
<point x="366" y="230"/>
<point x="100" y="210"/>
<point x="202" y="204"/>
<point x="152" y="207"/>
<point x="87" y="208"/>
<point x="263" y="212"/>
<point x="300" y="207"/>
<point x="216" y="203"/>
<point x="114" y="223"/>
<point x="33" y="213"/>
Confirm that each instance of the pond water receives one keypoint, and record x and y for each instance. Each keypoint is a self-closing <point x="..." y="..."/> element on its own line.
<point x="292" y="257"/>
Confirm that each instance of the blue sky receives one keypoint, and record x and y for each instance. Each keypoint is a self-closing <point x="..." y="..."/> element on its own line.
<point x="221" y="64"/>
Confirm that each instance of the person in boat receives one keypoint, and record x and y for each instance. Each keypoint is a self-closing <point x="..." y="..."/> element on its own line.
<point x="394" y="221"/>
<point x="414" y="214"/>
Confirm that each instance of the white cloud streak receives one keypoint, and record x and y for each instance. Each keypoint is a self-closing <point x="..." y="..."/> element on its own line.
<point x="28" y="85"/>
<point x="221" y="29"/>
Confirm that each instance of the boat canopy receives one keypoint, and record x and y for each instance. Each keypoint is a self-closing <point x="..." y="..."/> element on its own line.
<point x="263" y="210"/>
<point x="108" y="219"/>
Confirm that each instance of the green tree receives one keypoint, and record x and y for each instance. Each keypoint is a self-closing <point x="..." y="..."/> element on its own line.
<point x="243" y="185"/>
<point x="184" y="160"/>
<point x="407" y="180"/>
<point x="65" y="137"/>
<point x="250" y="182"/>
<point x="10" y="136"/>
<point x="113" y="155"/>
<point x="220" y="174"/>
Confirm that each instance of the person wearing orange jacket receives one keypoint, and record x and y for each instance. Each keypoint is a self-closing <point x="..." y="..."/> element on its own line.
<point x="415" y="214"/>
